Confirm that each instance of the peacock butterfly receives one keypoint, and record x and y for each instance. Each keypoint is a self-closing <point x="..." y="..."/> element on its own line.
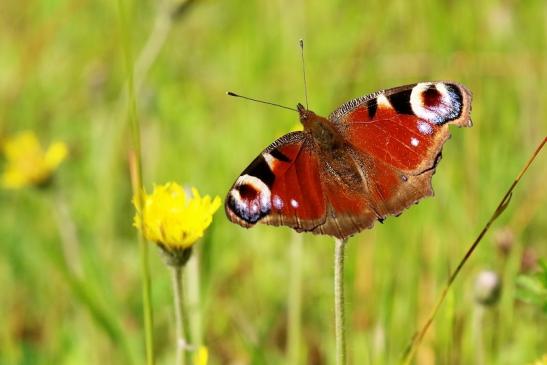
<point x="372" y="157"/>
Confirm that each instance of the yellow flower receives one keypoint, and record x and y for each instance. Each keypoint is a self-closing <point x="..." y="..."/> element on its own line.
<point x="542" y="361"/>
<point x="27" y="163"/>
<point x="173" y="220"/>
<point x="201" y="356"/>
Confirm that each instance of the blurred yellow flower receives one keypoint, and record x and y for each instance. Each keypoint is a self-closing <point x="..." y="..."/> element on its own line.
<point x="542" y="361"/>
<point x="201" y="356"/>
<point x="173" y="220"/>
<point x="27" y="163"/>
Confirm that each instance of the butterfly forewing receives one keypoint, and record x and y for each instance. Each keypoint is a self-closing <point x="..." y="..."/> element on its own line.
<point x="402" y="131"/>
<point x="280" y="187"/>
<point x="404" y="126"/>
<point x="298" y="199"/>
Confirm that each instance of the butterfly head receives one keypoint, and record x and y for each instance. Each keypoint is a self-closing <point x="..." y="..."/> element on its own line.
<point x="320" y="128"/>
<point x="307" y="117"/>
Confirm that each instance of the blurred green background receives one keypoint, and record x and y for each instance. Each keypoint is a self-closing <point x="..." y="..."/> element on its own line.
<point x="62" y="76"/>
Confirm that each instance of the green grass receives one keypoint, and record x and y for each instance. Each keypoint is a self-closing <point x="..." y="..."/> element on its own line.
<point x="62" y="75"/>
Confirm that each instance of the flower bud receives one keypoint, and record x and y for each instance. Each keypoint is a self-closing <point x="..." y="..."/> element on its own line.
<point x="487" y="288"/>
<point x="504" y="240"/>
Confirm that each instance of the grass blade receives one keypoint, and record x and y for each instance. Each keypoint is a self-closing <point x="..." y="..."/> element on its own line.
<point x="418" y="337"/>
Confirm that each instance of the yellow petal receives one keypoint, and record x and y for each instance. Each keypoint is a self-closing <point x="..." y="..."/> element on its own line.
<point x="171" y="218"/>
<point x="22" y="144"/>
<point x="12" y="179"/>
<point x="201" y="356"/>
<point x="26" y="162"/>
<point x="55" y="154"/>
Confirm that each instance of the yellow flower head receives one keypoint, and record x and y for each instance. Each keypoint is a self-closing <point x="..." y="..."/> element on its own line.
<point x="172" y="219"/>
<point x="542" y="361"/>
<point x="201" y="356"/>
<point x="27" y="163"/>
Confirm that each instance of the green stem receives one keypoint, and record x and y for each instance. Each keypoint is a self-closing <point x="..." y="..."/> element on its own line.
<point x="147" y="300"/>
<point x="294" y="300"/>
<point x="125" y="23"/>
<point x="194" y="317"/>
<point x="70" y="242"/>
<point x="340" y="330"/>
<point x="478" y="322"/>
<point x="176" y="276"/>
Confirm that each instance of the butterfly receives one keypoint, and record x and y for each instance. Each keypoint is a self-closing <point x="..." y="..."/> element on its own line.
<point x="372" y="157"/>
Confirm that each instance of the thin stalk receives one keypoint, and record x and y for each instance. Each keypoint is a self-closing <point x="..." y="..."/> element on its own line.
<point x="147" y="300"/>
<point x="419" y="336"/>
<point x="339" y="316"/>
<point x="162" y="25"/>
<point x="295" y="300"/>
<point x="136" y="180"/>
<point x="156" y="39"/>
<point x="181" y="344"/>
<point x="166" y="14"/>
<point x="194" y="318"/>
<point x="70" y="242"/>
<point x="477" y="324"/>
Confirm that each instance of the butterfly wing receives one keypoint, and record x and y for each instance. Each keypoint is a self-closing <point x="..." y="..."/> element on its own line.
<point x="282" y="186"/>
<point x="291" y="184"/>
<point x="393" y="141"/>
<point x="400" y="133"/>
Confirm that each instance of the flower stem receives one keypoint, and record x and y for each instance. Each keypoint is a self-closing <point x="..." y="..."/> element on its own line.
<point x="147" y="301"/>
<point x="194" y="316"/>
<point x="68" y="232"/>
<point x="136" y="176"/>
<point x="176" y="276"/>
<point x="477" y="325"/>
<point x="294" y="300"/>
<point x="340" y="330"/>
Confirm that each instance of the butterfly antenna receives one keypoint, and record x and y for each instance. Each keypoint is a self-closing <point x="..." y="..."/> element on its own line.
<point x="229" y="93"/>
<point x="304" y="72"/>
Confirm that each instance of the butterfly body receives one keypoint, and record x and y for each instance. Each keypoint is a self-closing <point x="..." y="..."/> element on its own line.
<point x="322" y="130"/>
<point x="372" y="157"/>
